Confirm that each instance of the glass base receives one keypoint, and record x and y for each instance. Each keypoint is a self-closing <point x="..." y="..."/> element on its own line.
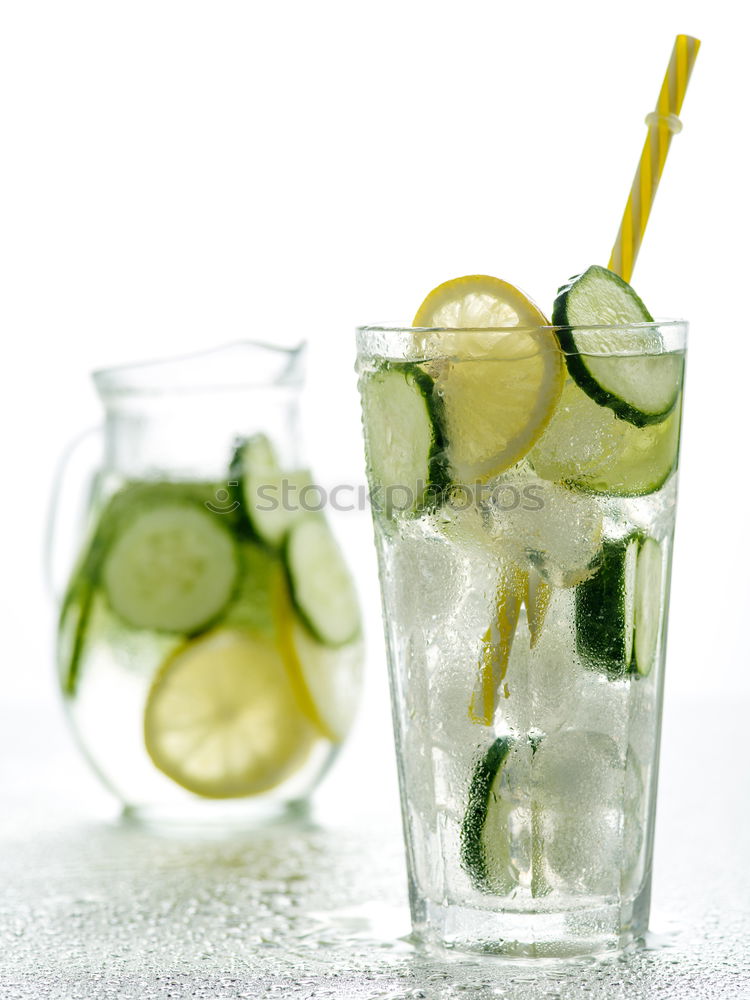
<point x="573" y="933"/>
<point x="222" y="816"/>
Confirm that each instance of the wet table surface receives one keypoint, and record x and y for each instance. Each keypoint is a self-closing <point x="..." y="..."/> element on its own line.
<point x="93" y="907"/>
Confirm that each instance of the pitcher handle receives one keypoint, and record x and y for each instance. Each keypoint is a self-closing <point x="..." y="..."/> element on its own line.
<point x="69" y="507"/>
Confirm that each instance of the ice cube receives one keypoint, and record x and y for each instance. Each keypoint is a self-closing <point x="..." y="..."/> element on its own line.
<point x="578" y="782"/>
<point x="543" y="525"/>
<point x="634" y="824"/>
<point x="427" y="575"/>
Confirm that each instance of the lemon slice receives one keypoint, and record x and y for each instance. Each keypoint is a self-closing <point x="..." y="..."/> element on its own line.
<point x="329" y="680"/>
<point x="497" y="645"/>
<point x="498" y="389"/>
<point x="222" y="718"/>
<point x="476" y="301"/>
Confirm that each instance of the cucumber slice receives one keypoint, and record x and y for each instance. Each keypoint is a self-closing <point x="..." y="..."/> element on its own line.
<point x="76" y="611"/>
<point x="172" y="568"/>
<point x="72" y="629"/>
<point x="618" y="611"/>
<point x="321" y="586"/>
<point x="268" y="495"/>
<point x="648" y="597"/>
<point x="587" y="447"/>
<point x="604" y="607"/>
<point x="142" y="495"/>
<point x="405" y="448"/>
<point x="485" y="840"/>
<point x="83" y="587"/>
<point x="640" y="387"/>
<point x="256" y="600"/>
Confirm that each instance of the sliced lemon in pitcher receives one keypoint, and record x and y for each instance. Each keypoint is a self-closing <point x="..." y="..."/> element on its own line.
<point x="328" y="680"/>
<point x="222" y="717"/>
<point x="499" y="377"/>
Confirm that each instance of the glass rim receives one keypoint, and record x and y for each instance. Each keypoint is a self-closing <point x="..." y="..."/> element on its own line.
<point x="417" y="344"/>
<point x="656" y="324"/>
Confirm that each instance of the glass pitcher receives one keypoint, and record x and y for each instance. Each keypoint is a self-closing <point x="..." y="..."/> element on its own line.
<point x="209" y="645"/>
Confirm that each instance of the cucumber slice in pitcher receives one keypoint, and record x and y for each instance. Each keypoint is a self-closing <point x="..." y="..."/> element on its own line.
<point x="268" y="495"/>
<point x="616" y="368"/>
<point x="80" y="597"/>
<point x="321" y="586"/>
<point x="71" y="632"/>
<point x="254" y="604"/>
<point x="404" y="440"/>
<point x="172" y="567"/>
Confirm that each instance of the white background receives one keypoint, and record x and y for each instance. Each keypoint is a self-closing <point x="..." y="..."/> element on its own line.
<point x="180" y="174"/>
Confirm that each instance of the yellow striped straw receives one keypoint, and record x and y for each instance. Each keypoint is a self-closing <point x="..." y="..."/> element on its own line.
<point x="662" y="123"/>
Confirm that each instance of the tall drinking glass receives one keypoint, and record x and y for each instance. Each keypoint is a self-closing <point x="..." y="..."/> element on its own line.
<point x="525" y="613"/>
